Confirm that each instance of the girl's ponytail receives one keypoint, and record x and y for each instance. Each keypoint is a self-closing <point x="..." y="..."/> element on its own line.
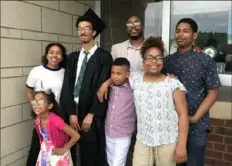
<point x="56" y="108"/>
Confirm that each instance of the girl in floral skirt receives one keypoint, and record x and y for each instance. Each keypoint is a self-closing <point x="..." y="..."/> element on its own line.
<point x="53" y="132"/>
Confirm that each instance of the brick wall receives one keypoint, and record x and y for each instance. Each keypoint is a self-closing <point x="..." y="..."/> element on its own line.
<point x="26" y="28"/>
<point x="219" y="146"/>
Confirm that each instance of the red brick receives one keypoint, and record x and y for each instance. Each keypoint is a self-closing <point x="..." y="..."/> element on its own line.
<point x="223" y="131"/>
<point x="216" y="122"/>
<point x="214" y="154"/>
<point x="228" y="123"/>
<point x="219" y="147"/>
<point x="209" y="161"/>
<point x="218" y="130"/>
<point x="228" y="140"/>
<point x="229" y="149"/>
<point x="212" y="129"/>
<point x="228" y="131"/>
<point x="228" y="156"/>
<point x="221" y="163"/>
<point x="209" y="145"/>
<point x="215" y="138"/>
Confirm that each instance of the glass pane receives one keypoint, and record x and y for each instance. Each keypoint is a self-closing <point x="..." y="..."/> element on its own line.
<point x="157" y="21"/>
<point x="214" y="19"/>
<point x="153" y="19"/>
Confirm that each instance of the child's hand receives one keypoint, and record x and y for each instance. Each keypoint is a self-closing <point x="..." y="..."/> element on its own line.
<point x="197" y="49"/>
<point x="180" y="155"/>
<point x="59" y="151"/>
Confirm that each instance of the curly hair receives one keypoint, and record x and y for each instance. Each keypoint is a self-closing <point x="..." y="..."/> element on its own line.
<point x="62" y="64"/>
<point x="50" y="100"/>
<point x="152" y="42"/>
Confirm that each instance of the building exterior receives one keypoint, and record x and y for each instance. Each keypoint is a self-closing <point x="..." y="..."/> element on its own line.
<point x="214" y="21"/>
<point x="27" y="26"/>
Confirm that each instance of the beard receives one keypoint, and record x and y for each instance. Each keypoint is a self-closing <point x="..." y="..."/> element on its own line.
<point x="140" y="34"/>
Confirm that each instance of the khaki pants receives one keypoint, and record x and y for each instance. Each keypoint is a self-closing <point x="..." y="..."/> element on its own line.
<point x="145" y="155"/>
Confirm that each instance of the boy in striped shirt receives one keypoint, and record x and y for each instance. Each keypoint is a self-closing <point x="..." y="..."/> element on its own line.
<point x="121" y="115"/>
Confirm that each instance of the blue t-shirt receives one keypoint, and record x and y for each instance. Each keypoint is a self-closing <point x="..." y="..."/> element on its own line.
<point x="198" y="73"/>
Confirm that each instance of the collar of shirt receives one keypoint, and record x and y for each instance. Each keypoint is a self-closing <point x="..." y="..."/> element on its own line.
<point x="91" y="51"/>
<point x="130" y="46"/>
<point x="125" y="85"/>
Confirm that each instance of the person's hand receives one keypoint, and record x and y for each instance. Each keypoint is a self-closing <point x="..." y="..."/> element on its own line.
<point x="180" y="155"/>
<point x="102" y="92"/>
<point x="59" y="151"/>
<point x="193" y="119"/>
<point x="86" y="124"/>
<point x="197" y="49"/>
<point x="171" y="75"/>
<point x="74" y="122"/>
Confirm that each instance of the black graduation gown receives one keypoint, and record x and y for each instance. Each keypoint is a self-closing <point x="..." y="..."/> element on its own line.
<point x="98" y="69"/>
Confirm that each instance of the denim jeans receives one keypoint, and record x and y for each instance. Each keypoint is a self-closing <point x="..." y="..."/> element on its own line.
<point x="196" y="146"/>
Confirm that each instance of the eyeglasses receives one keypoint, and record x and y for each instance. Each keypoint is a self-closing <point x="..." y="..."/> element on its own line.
<point x="150" y="58"/>
<point x="84" y="28"/>
<point x="136" y="23"/>
<point x="39" y="102"/>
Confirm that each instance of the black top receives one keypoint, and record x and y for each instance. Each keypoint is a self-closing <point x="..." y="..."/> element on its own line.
<point x="198" y="73"/>
<point x="97" y="71"/>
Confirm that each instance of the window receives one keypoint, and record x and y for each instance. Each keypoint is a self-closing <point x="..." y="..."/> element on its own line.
<point x="214" y="19"/>
<point x="153" y="19"/>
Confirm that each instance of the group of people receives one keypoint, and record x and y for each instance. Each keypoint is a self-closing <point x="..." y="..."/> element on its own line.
<point x="89" y="104"/>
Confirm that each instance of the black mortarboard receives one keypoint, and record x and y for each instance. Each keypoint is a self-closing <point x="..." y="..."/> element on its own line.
<point x="92" y="17"/>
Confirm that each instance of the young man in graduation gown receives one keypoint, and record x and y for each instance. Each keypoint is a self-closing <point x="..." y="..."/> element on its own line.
<point x="86" y="70"/>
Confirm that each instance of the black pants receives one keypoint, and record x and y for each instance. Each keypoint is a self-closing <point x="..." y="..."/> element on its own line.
<point x="34" y="149"/>
<point x="92" y="145"/>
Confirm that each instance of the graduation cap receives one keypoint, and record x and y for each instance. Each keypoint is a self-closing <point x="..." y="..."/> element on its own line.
<point x="92" y="17"/>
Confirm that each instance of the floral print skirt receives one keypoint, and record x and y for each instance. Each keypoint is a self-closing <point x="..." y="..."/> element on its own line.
<point x="46" y="158"/>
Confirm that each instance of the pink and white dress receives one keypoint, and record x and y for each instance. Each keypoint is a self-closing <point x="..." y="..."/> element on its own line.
<point x="46" y="158"/>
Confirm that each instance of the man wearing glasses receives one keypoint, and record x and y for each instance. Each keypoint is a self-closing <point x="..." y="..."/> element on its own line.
<point x="86" y="70"/>
<point x="130" y="49"/>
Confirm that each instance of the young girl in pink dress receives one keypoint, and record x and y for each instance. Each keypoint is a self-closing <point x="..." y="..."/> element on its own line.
<point x="53" y="132"/>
